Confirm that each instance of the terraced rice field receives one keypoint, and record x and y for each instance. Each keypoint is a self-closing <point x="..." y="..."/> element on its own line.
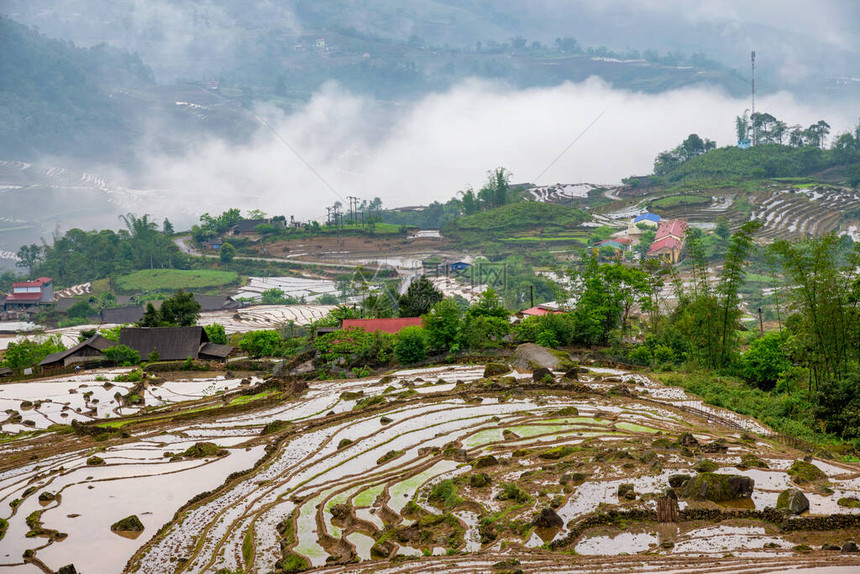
<point x="436" y="470"/>
<point x="291" y="286"/>
<point x="798" y="212"/>
<point x="265" y="317"/>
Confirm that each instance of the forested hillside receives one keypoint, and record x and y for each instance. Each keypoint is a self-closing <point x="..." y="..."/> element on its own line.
<point x="55" y="97"/>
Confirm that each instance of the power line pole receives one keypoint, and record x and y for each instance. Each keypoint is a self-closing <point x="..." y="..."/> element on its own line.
<point x="353" y="205"/>
<point x="752" y="117"/>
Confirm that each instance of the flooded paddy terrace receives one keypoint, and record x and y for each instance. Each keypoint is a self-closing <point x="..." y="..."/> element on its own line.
<point x="435" y="469"/>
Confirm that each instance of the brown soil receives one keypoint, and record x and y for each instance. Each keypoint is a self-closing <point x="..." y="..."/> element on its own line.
<point x="363" y="246"/>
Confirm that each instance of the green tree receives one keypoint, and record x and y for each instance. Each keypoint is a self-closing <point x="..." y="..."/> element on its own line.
<point x="442" y="324"/>
<point x="262" y="344"/>
<point x="81" y="310"/>
<point x="151" y="317"/>
<point x="29" y="256"/>
<point x="29" y="353"/>
<point x="122" y="356"/>
<point x="273" y="296"/>
<point x="411" y="345"/>
<point x="824" y="306"/>
<point x="731" y="281"/>
<point x="216" y="333"/>
<point x="765" y="361"/>
<point x="419" y="298"/>
<point x="227" y="253"/>
<point x="181" y="310"/>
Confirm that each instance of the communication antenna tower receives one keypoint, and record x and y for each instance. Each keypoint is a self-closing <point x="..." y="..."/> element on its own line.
<point x="752" y="117"/>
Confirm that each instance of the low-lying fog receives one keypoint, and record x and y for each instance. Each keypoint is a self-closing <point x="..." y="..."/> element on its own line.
<point x="419" y="153"/>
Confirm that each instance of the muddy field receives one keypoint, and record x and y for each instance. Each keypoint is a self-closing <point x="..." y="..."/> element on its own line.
<point x="437" y="469"/>
<point x="356" y="247"/>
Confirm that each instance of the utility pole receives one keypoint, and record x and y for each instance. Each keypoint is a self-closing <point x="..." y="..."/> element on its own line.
<point x="353" y="204"/>
<point x="752" y="117"/>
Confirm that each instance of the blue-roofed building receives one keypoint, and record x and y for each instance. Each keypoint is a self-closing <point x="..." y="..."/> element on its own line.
<point x="647" y="218"/>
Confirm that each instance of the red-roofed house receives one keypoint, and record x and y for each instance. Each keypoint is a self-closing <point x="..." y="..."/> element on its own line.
<point x="392" y="326"/>
<point x="676" y="228"/>
<point x="539" y="312"/>
<point x="31" y="293"/>
<point x="669" y="241"/>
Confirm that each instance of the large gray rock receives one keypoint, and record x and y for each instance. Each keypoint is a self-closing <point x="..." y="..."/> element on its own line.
<point x="718" y="487"/>
<point x="792" y="501"/>
<point x="529" y="357"/>
<point x="548" y="518"/>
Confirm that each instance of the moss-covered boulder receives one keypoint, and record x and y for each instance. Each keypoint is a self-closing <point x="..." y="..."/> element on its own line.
<point x="792" y="501"/>
<point x="688" y="440"/>
<point x="128" y="524"/>
<point x="627" y="491"/>
<point x="558" y="452"/>
<point x="752" y="461"/>
<point x="542" y="375"/>
<point x="496" y="369"/>
<point x="479" y="480"/>
<point x="485" y="461"/>
<point x="849" y="502"/>
<point x="95" y="461"/>
<point x="705" y="465"/>
<point x="678" y="480"/>
<point x="802" y="472"/>
<point x="204" y="450"/>
<point x="570" y="411"/>
<point x="718" y="487"/>
<point x="548" y="518"/>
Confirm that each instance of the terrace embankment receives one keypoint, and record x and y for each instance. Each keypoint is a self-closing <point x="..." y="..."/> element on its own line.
<point x="434" y="469"/>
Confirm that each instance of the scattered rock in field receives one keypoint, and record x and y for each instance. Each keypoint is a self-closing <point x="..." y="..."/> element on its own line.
<point x="95" y="461"/>
<point x="752" y="461"/>
<point x="548" y="518"/>
<point x="627" y="491"/>
<point x="496" y="369"/>
<point x="485" y="461"/>
<point x="718" y="487"/>
<point x="479" y="480"/>
<point x="542" y="375"/>
<point x="705" y="465"/>
<point x="530" y="357"/>
<point x="678" y="480"/>
<point x="714" y="447"/>
<point x="850" y="546"/>
<point x="792" y="501"/>
<point x="802" y="472"/>
<point x="47" y="496"/>
<point x="128" y="524"/>
<point x="688" y="440"/>
<point x="849" y="502"/>
<point x="67" y="569"/>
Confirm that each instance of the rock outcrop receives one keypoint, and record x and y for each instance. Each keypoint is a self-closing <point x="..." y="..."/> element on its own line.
<point x="792" y="501"/>
<point x="530" y="357"/>
<point x="718" y="487"/>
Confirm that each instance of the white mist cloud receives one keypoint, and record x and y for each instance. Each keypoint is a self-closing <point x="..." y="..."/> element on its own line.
<point x="431" y="149"/>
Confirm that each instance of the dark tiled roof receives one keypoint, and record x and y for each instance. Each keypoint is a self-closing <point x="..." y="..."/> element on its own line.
<point x="96" y="342"/>
<point x="65" y="303"/>
<point x="248" y="225"/>
<point x="215" y="351"/>
<point x="212" y="302"/>
<point x="172" y="343"/>
<point x="122" y="315"/>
